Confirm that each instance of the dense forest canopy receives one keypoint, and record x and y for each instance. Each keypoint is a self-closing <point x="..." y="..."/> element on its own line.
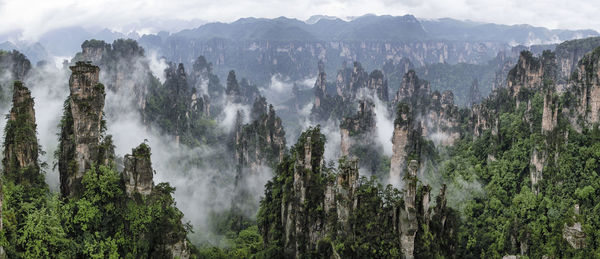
<point x="118" y="154"/>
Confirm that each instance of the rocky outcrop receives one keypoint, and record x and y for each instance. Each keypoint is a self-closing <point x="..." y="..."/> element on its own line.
<point x="179" y="108"/>
<point x="346" y="186"/>
<point x="412" y="89"/>
<point x="295" y="59"/>
<point x="178" y="95"/>
<point x="124" y="69"/>
<point x="261" y="142"/>
<point x="359" y="137"/>
<point x="204" y="85"/>
<point x="139" y="187"/>
<point x="530" y="74"/>
<point x="474" y="94"/>
<point x="351" y="80"/>
<point x="259" y="147"/>
<point x="81" y="128"/>
<point x="13" y="66"/>
<point x="585" y="86"/>
<point x="240" y="92"/>
<point x="363" y="121"/>
<point x="440" y="122"/>
<point x="315" y="204"/>
<point x="420" y="113"/>
<point x="95" y="51"/>
<point x="378" y="84"/>
<point x="20" y="161"/>
<point x="537" y="163"/>
<point x="570" y="52"/>
<point x="550" y="110"/>
<point x="394" y="70"/>
<point x="408" y="219"/>
<point x="504" y="62"/>
<point x="137" y="172"/>
<point x="325" y="105"/>
<point x="574" y="233"/>
<point x="320" y="89"/>
<point x="303" y="227"/>
<point x="403" y="128"/>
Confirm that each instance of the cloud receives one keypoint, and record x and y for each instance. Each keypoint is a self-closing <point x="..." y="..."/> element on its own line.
<point x="157" y="66"/>
<point x="35" y="17"/>
<point x="49" y="88"/>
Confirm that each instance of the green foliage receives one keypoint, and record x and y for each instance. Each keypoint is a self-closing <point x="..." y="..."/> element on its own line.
<point x="168" y="107"/>
<point x="245" y="244"/>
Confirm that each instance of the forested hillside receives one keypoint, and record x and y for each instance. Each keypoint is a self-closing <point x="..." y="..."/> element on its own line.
<point x="120" y="155"/>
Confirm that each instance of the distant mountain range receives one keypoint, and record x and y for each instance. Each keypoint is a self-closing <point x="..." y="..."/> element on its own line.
<point x="385" y="27"/>
<point x="66" y="41"/>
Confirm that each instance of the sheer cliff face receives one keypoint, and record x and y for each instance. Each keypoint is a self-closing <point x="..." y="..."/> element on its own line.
<point x="403" y="126"/>
<point x="15" y="65"/>
<point x="82" y="127"/>
<point x="139" y="187"/>
<point x="349" y="82"/>
<point x="313" y="187"/>
<point x="261" y="142"/>
<point x="420" y="114"/>
<point x="359" y="137"/>
<point x="324" y="103"/>
<point x="124" y="68"/>
<point x="351" y="85"/>
<point x="309" y="204"/>
<point x="570" y="52"/>
<point x="436" y="113"/>
<point x="585" y="85"/>
<point x="296" y="59"/>
<point x="137" y="172"/>
<point x="378" y="84"/>
<point x="20" y="163"/>
<point x="531" y="73"/>
<point x="412" y="88"/>
<point x="202" y="82"/>
<point x="303" y="226"/>
<point x="474" y="94"/>
<point x="408" y="219"/>
<point x="178" y="96"/>
<point x="240" y="91"/>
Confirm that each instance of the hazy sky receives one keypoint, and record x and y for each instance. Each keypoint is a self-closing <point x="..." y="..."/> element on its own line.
<point x="34" y="17"/>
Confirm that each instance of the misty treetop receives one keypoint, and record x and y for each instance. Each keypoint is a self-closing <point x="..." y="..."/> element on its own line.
<point x="378" y="159"/>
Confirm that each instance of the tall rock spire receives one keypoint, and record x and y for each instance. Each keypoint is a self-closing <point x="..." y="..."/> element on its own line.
<point x="82" y="127"/>
<point x="20" y="145"/>
<point x="138" y="173"/>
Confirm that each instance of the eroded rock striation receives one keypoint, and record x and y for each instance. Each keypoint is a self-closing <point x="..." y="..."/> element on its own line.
<point x="137" y="172"/>
<point x="585" y="88"/>
<point x="139" y="187"/>
<point x="308" y="204"/>
<point x="574" y="233"/>
<point x="359" y="135"/>
<point x="124" y="68"/>
<point x="82" y="127"/>
<point x="408" y="219"/>
<point x="262" y="141"/>
<point x="20" y="144"/>
<point x="351" y="85"/>
<point x="420" y="114"/>
<point x="20" y="162"/>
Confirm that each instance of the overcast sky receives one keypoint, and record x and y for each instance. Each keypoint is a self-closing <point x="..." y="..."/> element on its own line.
<point x="31" y="18"/>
